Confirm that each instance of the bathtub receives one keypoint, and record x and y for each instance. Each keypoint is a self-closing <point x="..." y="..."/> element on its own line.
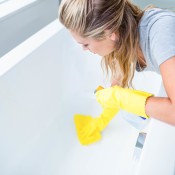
<point x="45" y="81"/>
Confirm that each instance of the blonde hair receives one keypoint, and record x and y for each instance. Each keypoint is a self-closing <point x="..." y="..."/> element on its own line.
<point x="90" y="18"/>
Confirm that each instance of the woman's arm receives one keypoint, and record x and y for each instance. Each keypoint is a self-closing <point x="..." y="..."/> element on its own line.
<point x="163" y="108"/>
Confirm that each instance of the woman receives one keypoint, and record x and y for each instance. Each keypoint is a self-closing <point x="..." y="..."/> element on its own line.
<point x="128" y="39"/>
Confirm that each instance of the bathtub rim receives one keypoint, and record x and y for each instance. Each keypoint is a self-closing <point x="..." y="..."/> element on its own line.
<point x="21" y="51"/>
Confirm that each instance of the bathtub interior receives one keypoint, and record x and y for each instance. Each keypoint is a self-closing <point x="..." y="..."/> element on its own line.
<point x="39" y="97"/>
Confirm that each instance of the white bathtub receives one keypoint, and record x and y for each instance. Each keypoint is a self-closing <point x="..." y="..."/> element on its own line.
<point x="43" y="83"/>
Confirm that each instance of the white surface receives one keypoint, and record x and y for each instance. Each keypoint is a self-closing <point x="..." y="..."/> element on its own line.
<point x="27" y="47"/>
<point x="40" y="91"/>
<point x="20" y="24"/>
<point x="10" y="6"/>
<point x="158" y="155"/>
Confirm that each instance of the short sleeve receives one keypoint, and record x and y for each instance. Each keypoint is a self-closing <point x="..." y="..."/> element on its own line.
<point x="162" y="39"/>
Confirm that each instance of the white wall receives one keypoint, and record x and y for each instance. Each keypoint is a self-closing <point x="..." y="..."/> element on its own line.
<point x="23" y="23"/>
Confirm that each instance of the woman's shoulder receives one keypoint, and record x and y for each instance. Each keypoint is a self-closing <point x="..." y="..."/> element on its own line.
<point x="157" y="36"/>
<point x="151" y="15"/>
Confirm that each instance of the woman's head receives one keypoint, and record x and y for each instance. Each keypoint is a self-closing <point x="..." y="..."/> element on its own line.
<point x="90" y="18"/>
<point x="105" y="27"/>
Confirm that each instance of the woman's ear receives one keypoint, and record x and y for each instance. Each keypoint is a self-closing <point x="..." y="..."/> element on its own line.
<point x="113" y="37"/>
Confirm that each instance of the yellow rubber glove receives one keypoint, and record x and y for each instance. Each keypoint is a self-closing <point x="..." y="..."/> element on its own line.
<point x="130" y="100"/>
<point x="88" y="128"/>
<point x="112" y="100"/>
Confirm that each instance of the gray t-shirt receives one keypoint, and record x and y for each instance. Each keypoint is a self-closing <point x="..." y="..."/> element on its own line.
<point x="157" y="37"/>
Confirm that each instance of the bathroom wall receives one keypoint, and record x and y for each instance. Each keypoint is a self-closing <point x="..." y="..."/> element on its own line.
<point x="23" y="23"/>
